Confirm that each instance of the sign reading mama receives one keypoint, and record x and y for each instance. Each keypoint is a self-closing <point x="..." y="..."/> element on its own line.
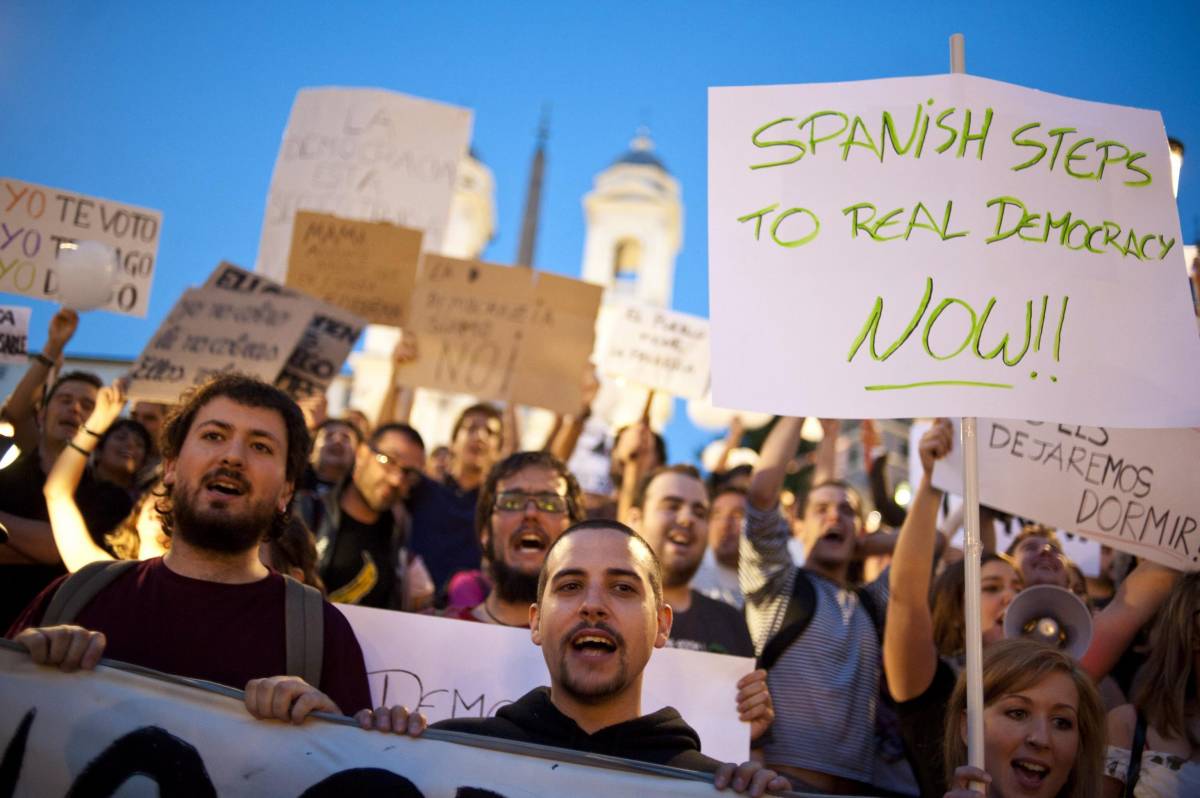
<point x="946" y="246"/>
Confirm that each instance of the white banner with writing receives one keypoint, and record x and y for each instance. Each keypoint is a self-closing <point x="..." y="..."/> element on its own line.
<point x="14" y="334"/>
<point x="1132" y="489"/>
<point x="656" y="348"/>
<point x="35" y="221"/>
<point x="946" y="246"/>
<point x="96" y="732"/>
<point x="365" y="154"/>
<point x="433" y="663"/>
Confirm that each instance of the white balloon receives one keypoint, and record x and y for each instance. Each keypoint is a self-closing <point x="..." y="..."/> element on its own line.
<point x="85" y="275"/>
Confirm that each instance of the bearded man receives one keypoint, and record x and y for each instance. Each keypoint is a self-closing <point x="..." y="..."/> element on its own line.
<point x="208" y="608"/>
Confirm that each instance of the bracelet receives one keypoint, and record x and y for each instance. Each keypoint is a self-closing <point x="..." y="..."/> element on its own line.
<point x="45" y="361"/>
<point x="89" y="432"/>
<point x="79" y="449"/>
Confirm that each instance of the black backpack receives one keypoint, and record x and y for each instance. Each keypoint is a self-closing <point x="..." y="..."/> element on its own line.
<point x="799" y="614"/>
<point x="303" y="613"/>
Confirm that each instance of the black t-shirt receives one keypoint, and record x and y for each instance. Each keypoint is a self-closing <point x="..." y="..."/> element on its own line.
<point x="713" y="626"/>
<point x="103" y="506"/>
<point x="443" y="528"/>
<point x="922" y="727"/>
<point x="362" y="569"/>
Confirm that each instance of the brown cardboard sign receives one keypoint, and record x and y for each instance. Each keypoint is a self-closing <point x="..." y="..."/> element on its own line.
<point x="501" y="332"/>
<point x="367" y="268"/>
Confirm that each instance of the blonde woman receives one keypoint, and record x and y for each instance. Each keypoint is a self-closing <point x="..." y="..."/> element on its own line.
<point x="1044" y="727"/>
<point x="1166" y="705"/>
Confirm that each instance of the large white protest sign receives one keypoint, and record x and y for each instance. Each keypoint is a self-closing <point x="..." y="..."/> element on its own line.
<point x="444" y="678"/>
<point x="1133" y="489"/>
<point x="112" y="731"/>
<point x="35" y="221"/>
<point x="365" y="154"/>
<point x="14" y="334"/>
<point x="656" y="348"/>
<point x="212" y="331"/>
<point x="946" y="246"/>
<point x="323" y="348"/>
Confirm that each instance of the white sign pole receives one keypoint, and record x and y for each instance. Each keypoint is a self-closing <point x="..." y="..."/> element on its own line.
<point x="973" y="545"/>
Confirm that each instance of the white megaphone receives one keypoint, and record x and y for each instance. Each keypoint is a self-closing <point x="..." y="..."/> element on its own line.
<point x="1051" y="615"/>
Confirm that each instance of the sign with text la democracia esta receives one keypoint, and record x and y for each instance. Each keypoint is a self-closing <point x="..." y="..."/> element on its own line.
<point x="946" y="246"/>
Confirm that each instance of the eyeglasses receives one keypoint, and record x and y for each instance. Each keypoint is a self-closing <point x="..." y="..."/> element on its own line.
<point x="392" y="464"/>
<point x="515" y="501"/>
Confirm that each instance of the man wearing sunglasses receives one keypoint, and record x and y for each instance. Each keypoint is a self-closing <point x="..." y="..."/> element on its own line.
<point x="525" y="503"/>
<point x="358" y="539"/>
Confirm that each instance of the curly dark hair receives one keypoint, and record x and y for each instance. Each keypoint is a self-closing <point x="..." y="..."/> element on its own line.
<point x="519" y="462"/>
<point x="250" y="392"/>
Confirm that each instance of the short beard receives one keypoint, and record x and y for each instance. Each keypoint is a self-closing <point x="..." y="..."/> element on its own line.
<point x="680" y="577"/>
<point x="512" y="585"/>
<point x="595" y="694"/>
<point x="223" y="533"/>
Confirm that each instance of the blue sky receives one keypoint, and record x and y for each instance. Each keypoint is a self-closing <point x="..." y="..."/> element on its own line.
<point x="180" y="107"/>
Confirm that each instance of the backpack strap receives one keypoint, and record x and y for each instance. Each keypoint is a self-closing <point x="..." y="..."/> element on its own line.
<point x="1135" y="755"/>
<point x="873" y="610"/>
<point x="802" y="603"/>
<point x="78" y="589"/>
<point x="304" y="621"/>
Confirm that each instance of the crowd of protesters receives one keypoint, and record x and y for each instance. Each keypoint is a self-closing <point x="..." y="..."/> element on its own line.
<point x="197" y="539"/>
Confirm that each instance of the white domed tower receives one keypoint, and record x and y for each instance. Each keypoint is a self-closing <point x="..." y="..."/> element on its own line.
<point x="634" y="227"/>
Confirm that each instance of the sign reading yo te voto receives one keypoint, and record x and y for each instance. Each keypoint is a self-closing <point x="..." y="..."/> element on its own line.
<point x="946" y="245"/>
<point x="35" y="223"/>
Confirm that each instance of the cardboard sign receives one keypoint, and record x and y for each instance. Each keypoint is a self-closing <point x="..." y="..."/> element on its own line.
<point x="368" y="268"/>
<point x="35" y="221"/>
<point x="657" y="348"/>
<point x="1134" y="490"/>
<point x="364" y="154"/>
<point x="210" y="331"/>
<point x="438" y="678"/>
<point x="14" y="334"/>
<point x="323" y="348"/>
<point x="502" y="332"/>
<point x="946" y="246"/>
<point x="112" y="729"/>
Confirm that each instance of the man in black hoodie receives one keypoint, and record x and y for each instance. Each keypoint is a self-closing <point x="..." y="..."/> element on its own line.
<point x="599" y="615"/>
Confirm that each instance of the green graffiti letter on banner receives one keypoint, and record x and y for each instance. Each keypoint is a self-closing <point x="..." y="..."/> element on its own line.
<point x="799" y="145"/>
<point x="1003" y="345"/>
<point x="937" y="313"/>
<point x="872" y="326"/>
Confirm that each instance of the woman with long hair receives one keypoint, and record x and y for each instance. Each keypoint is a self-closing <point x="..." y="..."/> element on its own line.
<point x="1154" y="743"/>
<point x="1044" y="726"/>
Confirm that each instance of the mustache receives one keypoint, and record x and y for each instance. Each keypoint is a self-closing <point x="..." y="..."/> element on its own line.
<point x="601" y="625"/>
<point x="227" y="473"/>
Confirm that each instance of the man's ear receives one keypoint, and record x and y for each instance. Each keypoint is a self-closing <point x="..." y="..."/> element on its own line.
<point x="666" y="616"/>
<point x="168" y="472"/>
<point x="635" y="518"/>
<point x="285" y="498"/>
<point x="535" y="634"/>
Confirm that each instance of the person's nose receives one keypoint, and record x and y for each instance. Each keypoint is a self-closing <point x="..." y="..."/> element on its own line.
<point x="1038" y="735"/>
<point x="593" y="607"/>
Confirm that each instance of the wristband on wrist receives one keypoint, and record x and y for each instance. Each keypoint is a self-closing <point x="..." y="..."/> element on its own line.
<point x="79" y="449"/>
<point x="84" y="428"/>
<point x="45" y="361"/>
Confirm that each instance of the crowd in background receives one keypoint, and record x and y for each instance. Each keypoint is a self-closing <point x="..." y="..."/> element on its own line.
<point x="859" y="637"/>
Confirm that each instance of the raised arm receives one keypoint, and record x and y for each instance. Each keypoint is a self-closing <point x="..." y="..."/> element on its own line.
<point x="398" y="400"/>
<point x="825" y="458"/>
<point x="71" y="536"/>
<point x="732" y="439"/>
<point x="909" y="653"/>
<point x="1113" y="629"/>
<point x="632" y="452"/>
<point x="766" y="483"/>
<point x="19" y="409"/>
<point x="565" y="436"/>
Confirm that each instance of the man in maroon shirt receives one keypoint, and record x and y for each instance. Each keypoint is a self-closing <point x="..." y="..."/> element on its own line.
<point x="208" y="608"/>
